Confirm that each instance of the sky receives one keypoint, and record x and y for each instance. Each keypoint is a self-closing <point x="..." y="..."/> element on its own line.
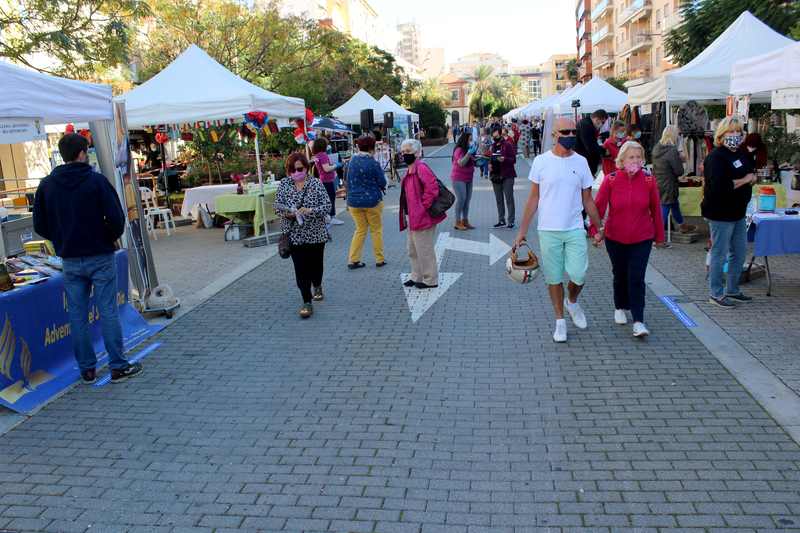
<point x="525" y="32"/>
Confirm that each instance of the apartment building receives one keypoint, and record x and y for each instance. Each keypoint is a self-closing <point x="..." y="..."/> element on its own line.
<point x="465" y="66"/>
<point x="409" y="44"/>
<point x="583" y="25"/>
<point x="558" y="76"/>
<point x="628" y="38"/>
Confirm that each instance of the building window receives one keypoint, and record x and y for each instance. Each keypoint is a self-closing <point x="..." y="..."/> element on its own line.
<point x="454" y="95"/>
<point x="659" y="56"/>
<point x="666" y="10"/>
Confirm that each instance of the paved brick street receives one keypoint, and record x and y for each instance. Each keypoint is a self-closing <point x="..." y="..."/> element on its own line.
<point x="469" y="420"/>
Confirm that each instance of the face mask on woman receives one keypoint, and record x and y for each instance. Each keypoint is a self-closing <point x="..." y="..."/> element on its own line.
<point x="637" y="135"/>
<point x="732" y="142"/>
<point x="409" y="158"/>
<point x="299" y="175"/>
<point x="632" y="167"/>
<point x="620" y="135"/>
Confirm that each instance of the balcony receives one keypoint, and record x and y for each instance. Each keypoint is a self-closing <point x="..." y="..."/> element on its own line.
<point x="673" y="20"/>
<point x="601" y="34"/>
<point x="580" y="10"/>
<point x="638" y="41"/>
<point x="582" y="51"/>
<point x="603" y="62"/>
<point x="601" y="9"/>
<point x="635" y="11"/>
<point x="635" y="72"/>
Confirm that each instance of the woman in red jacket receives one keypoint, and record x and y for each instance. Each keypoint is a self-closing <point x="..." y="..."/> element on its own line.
<point x="612" y="146"/>
<point x="418" y="191"/>
<point x="631" y="197"/>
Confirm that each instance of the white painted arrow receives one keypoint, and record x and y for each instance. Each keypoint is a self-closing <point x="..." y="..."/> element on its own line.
<point x="419" y="301"/>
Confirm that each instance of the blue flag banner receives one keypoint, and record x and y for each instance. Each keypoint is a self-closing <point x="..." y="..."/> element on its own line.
<point x="36" y="356"/>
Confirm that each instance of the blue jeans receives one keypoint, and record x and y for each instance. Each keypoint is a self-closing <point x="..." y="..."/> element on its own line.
<point x="80" y="273"/>
<point x="675" y="208"/>
<point x="728" y="243"/>
<point x="463" y="190"/>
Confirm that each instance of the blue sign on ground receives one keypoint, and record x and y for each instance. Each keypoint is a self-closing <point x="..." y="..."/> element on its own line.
<point x="36" y="357"/>
<point x="679" y="313"/>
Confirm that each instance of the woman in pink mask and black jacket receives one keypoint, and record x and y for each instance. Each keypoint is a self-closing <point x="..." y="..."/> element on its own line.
<point x="631" y="198"/>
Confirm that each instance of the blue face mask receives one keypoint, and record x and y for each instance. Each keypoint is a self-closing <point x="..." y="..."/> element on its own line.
<point x="637" y="135"/>
<point x="568" y="142"/>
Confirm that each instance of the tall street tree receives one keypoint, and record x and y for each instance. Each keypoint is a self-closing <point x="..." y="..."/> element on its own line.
<point x="705" y="21"/>
<point x="74" y="38"/>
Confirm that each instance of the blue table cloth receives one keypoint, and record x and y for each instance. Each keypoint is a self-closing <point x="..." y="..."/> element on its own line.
<point x="777" y="234"/>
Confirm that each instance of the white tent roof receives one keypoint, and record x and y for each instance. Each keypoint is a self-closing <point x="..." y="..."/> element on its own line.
<point x="779" y="69"/>
<point x="195" y="87"/>
<point x="599" y="94"/>
<point x="707" y="76"/>
<point x="30" y="94"/>
<point x="514" y="113"/>
<point x="350" y="111"/>
<point x="538" y="106"/>
<point x="563" y="104"/>
<point x="389" y="105"/>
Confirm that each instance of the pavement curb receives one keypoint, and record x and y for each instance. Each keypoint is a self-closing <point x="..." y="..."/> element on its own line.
<point x="777" y="399"/>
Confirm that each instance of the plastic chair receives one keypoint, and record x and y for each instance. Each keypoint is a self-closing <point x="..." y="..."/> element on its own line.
<point x="153" y="210"/>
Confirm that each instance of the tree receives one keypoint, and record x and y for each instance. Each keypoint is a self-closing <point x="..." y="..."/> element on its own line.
<point x="572" y="70"/>
<point x="514" y="94"/>
<point x="430" y="90"/>
<point x="705" y="21"/>
<point x="288" y="55"/>
<point x="431" y="113"/>
<point x="484" y="84"/>
<point x="79" y="37"/>
<point x="618" y="83"/>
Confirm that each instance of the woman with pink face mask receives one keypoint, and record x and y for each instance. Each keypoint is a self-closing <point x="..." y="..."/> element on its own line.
<point x="631" y="198"/>
<point x="303" y="204"/>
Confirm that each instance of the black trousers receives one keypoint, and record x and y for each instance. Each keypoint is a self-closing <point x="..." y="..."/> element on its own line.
<point x="537" y="147"/>
<point x="308" y="266"/>
<point x="331" y="188"/>
<point x="629" y="264"/>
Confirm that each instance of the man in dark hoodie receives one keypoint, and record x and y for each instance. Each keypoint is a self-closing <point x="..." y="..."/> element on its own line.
<point x="79" y="211"/>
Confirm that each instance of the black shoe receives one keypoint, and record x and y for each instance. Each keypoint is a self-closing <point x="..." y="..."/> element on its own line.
<point x="381" y="264"/>
<point x="510" y="225"/>
<point x="410" y="283"/>
<point x="318" y="295"/>
<point x="721" y="302"/>
<point x="499" y="224"/>
<point x="421" y="285"/>
<point x="122" y="374"/>
<point x="353" y="266"/>
<point x="739" y="297"/>
<point x="89" y="376"/>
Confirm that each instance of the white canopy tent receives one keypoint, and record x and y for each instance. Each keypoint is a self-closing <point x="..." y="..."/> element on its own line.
<point x="538" y="107"/>
<point x="599" y="94"/>
<point x="195" y="87"/>
<point x="386" y="105"/>
<point x="350" y="111"/>
<point x="514" y="113"/>
<point x="707" y="76"/>
<point x="760" y="75"/>
<point x="33" y="95"/>
<point x="563" y="104"/>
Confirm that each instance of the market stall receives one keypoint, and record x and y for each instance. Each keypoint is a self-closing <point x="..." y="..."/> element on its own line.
<point x="195" y="88"/>
<point x="599" y="94"/>
<point x="350" y="111"/>
<point x="36" y="357"/>
<point x="774" y="234"/>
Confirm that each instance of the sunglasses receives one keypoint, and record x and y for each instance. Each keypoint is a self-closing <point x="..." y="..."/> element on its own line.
<point x="299" y="169"/>
<point x="568" y="132"/>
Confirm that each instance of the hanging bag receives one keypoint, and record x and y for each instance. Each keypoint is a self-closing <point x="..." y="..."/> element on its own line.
<point x="444" y="199"/>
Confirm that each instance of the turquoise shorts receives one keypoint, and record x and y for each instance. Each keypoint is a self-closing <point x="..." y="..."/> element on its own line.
<point x="564" y="251"/>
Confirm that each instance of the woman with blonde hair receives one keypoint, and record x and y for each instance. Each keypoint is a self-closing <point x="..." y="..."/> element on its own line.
<point x="727" y="189"/>
<point x="668" y="167"/>
<point x="630" y="198"/>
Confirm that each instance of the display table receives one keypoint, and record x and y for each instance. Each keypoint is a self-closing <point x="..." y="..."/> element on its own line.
<point x="36" y="355"/>
<point x="773" y="234"/>
<point x="234" y="206"/>
<point x="690" y="198"/>
<point x="205" y="195"/>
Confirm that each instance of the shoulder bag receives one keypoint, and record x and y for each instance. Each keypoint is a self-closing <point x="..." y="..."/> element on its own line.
<point x="444" y="198"/>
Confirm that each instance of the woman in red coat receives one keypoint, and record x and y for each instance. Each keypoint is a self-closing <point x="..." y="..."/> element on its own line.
<point x="612" y="146"/>
<point x="419" y="189"/>
<point x="631" y="198"/>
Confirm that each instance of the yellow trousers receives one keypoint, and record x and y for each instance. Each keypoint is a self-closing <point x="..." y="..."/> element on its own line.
<point x="367" y="219"/>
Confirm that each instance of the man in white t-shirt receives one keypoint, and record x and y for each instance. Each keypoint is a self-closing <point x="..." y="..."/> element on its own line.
<point x="562" y="188"/>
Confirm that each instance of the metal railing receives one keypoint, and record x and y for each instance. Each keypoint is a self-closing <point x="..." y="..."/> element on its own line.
<point x="633" y="9"/>
<point x="600" y="34"/>
<point x="600" y="8"/>
<point x="636" y="40"/>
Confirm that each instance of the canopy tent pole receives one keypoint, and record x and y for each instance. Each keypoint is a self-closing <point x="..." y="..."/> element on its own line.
<point x="258" y="164"/>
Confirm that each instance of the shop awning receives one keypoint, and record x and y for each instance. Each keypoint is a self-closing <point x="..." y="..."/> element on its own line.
<point x="387" y="104"/>
<point x="195" y="87"/>
<point x="599" y="94"/>
<point x="350" y="111"/>
<point x="763" y="74"/>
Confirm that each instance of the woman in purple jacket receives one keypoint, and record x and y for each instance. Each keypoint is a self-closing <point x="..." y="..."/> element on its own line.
<point x="502" y="174"/>
<point x="419" y="189"/>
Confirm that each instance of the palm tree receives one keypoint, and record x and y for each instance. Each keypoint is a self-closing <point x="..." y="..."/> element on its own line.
<point x="514" y="94"/>
<point x="430" y="90"/>
<point x="483" y="84"/>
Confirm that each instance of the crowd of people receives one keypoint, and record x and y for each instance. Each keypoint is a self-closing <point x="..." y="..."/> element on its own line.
<point x="78" y="210"/>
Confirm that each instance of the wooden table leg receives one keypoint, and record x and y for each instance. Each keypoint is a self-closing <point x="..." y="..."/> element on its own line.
<point x="769" y="276"/>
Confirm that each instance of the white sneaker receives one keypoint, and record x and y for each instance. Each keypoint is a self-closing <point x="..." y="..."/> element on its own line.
<point x="336" y="222"/>
<point x="640" y="330"/>
<point x="620" y="317"/>
<point x="560" y="334"/>
<point x="576" y="313"/>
